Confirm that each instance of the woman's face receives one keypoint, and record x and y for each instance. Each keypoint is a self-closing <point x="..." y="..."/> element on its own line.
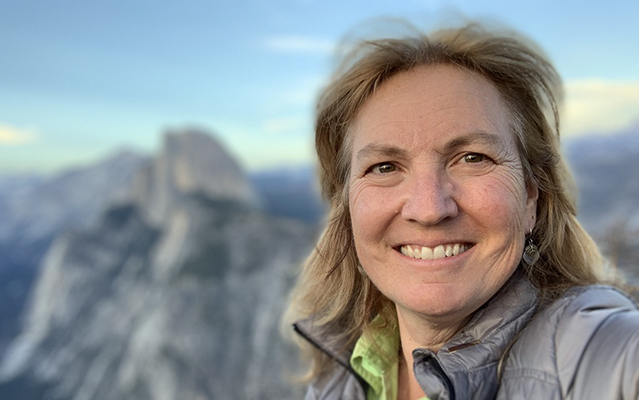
<point x="438" y="201"/>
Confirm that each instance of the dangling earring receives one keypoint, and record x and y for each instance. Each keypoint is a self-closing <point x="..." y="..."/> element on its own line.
<point x="531" y="252"/>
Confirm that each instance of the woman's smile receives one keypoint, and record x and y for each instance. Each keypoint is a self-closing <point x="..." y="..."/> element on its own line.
<point x="434" y="253"/>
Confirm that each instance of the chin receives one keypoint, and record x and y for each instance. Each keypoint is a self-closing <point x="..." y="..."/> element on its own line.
<point x="442" y="303"/>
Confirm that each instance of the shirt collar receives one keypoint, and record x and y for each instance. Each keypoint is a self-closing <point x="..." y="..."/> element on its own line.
<point x="375" y="358"/>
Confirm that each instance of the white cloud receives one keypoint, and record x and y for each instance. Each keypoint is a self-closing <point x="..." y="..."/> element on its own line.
<point x="300" y="45"/>
<point x="600" y="106"/>
<point x="12" y="136"/>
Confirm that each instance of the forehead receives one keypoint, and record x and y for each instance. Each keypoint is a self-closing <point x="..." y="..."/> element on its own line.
<point x="429" y="105"/>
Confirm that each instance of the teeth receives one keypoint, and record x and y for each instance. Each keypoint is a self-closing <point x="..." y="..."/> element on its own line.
<point x="407" y="250"/>
<point x="449" y="251"/>
<point x="441" y="251"/>
<point x="427" y="253"/>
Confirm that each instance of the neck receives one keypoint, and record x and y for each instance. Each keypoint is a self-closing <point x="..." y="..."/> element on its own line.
<point x="407" y="386"/>
<point x="417" y="331"/>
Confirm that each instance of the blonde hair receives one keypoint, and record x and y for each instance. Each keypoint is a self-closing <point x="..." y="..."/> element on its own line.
<point x="331" y="290"/>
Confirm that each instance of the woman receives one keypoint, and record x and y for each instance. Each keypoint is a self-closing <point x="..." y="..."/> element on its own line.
<point x="453" y="266"/>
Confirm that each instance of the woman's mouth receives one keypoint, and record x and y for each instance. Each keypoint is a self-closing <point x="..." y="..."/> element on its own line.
<point x="428" y="253"/>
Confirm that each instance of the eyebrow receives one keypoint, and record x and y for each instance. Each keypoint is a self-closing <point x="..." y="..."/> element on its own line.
<point x="375" y="149"/>
<point x="481" y="137"/>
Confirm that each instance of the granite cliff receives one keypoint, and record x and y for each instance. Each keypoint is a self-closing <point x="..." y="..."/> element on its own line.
<point x="35" y="209"/>
<point x="175" y="293"/>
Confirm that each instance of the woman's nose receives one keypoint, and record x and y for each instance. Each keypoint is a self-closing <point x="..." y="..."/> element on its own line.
<point x="428" y="198"/>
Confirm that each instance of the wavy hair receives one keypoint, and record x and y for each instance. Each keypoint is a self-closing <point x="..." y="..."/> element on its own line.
<point x="331" y="290"/>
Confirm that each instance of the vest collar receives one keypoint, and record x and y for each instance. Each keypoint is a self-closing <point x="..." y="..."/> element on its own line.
<point x="467" y="365"/>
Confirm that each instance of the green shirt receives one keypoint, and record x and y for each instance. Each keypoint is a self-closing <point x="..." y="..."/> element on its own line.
<point x="376" y="359"/>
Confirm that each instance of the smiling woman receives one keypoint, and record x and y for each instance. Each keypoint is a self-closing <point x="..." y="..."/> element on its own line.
<point x="452" y="265"/>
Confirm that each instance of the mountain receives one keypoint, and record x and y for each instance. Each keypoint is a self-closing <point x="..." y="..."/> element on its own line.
<point x="34" y="209"/>
<point x="175" y="293"/>
<point x="190" y="161"/>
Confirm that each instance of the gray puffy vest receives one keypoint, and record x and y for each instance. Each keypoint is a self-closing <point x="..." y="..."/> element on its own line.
<point x="584" y="345"/>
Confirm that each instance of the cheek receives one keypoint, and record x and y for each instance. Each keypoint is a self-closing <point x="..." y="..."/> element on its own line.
<point x="359" y="206"/>
<point x="501" y="201"/>
<point x="370" y="212"/>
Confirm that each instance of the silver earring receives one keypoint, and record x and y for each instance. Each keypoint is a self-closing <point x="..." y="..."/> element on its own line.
<point x="531" y="252"/>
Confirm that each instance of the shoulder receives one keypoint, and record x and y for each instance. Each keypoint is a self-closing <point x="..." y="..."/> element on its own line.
<point x="584" y="309"/>
<point x="585" y="315"/>
<point x="584" y="343"/>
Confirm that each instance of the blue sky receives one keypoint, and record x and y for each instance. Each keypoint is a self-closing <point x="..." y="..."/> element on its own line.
<point x="81" y="79"/>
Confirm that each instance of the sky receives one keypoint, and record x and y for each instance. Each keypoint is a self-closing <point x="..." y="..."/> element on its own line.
<point x="80" y="80"/>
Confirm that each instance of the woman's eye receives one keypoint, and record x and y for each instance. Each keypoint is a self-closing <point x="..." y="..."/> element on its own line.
<point x="474" y="158"/>
<point x="384" y="168"/>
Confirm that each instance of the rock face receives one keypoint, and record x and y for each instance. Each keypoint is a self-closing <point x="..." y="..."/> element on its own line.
<point x="190" y="161"/>
<point x="34" y="209"/>
<point x="175" y="294"/>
